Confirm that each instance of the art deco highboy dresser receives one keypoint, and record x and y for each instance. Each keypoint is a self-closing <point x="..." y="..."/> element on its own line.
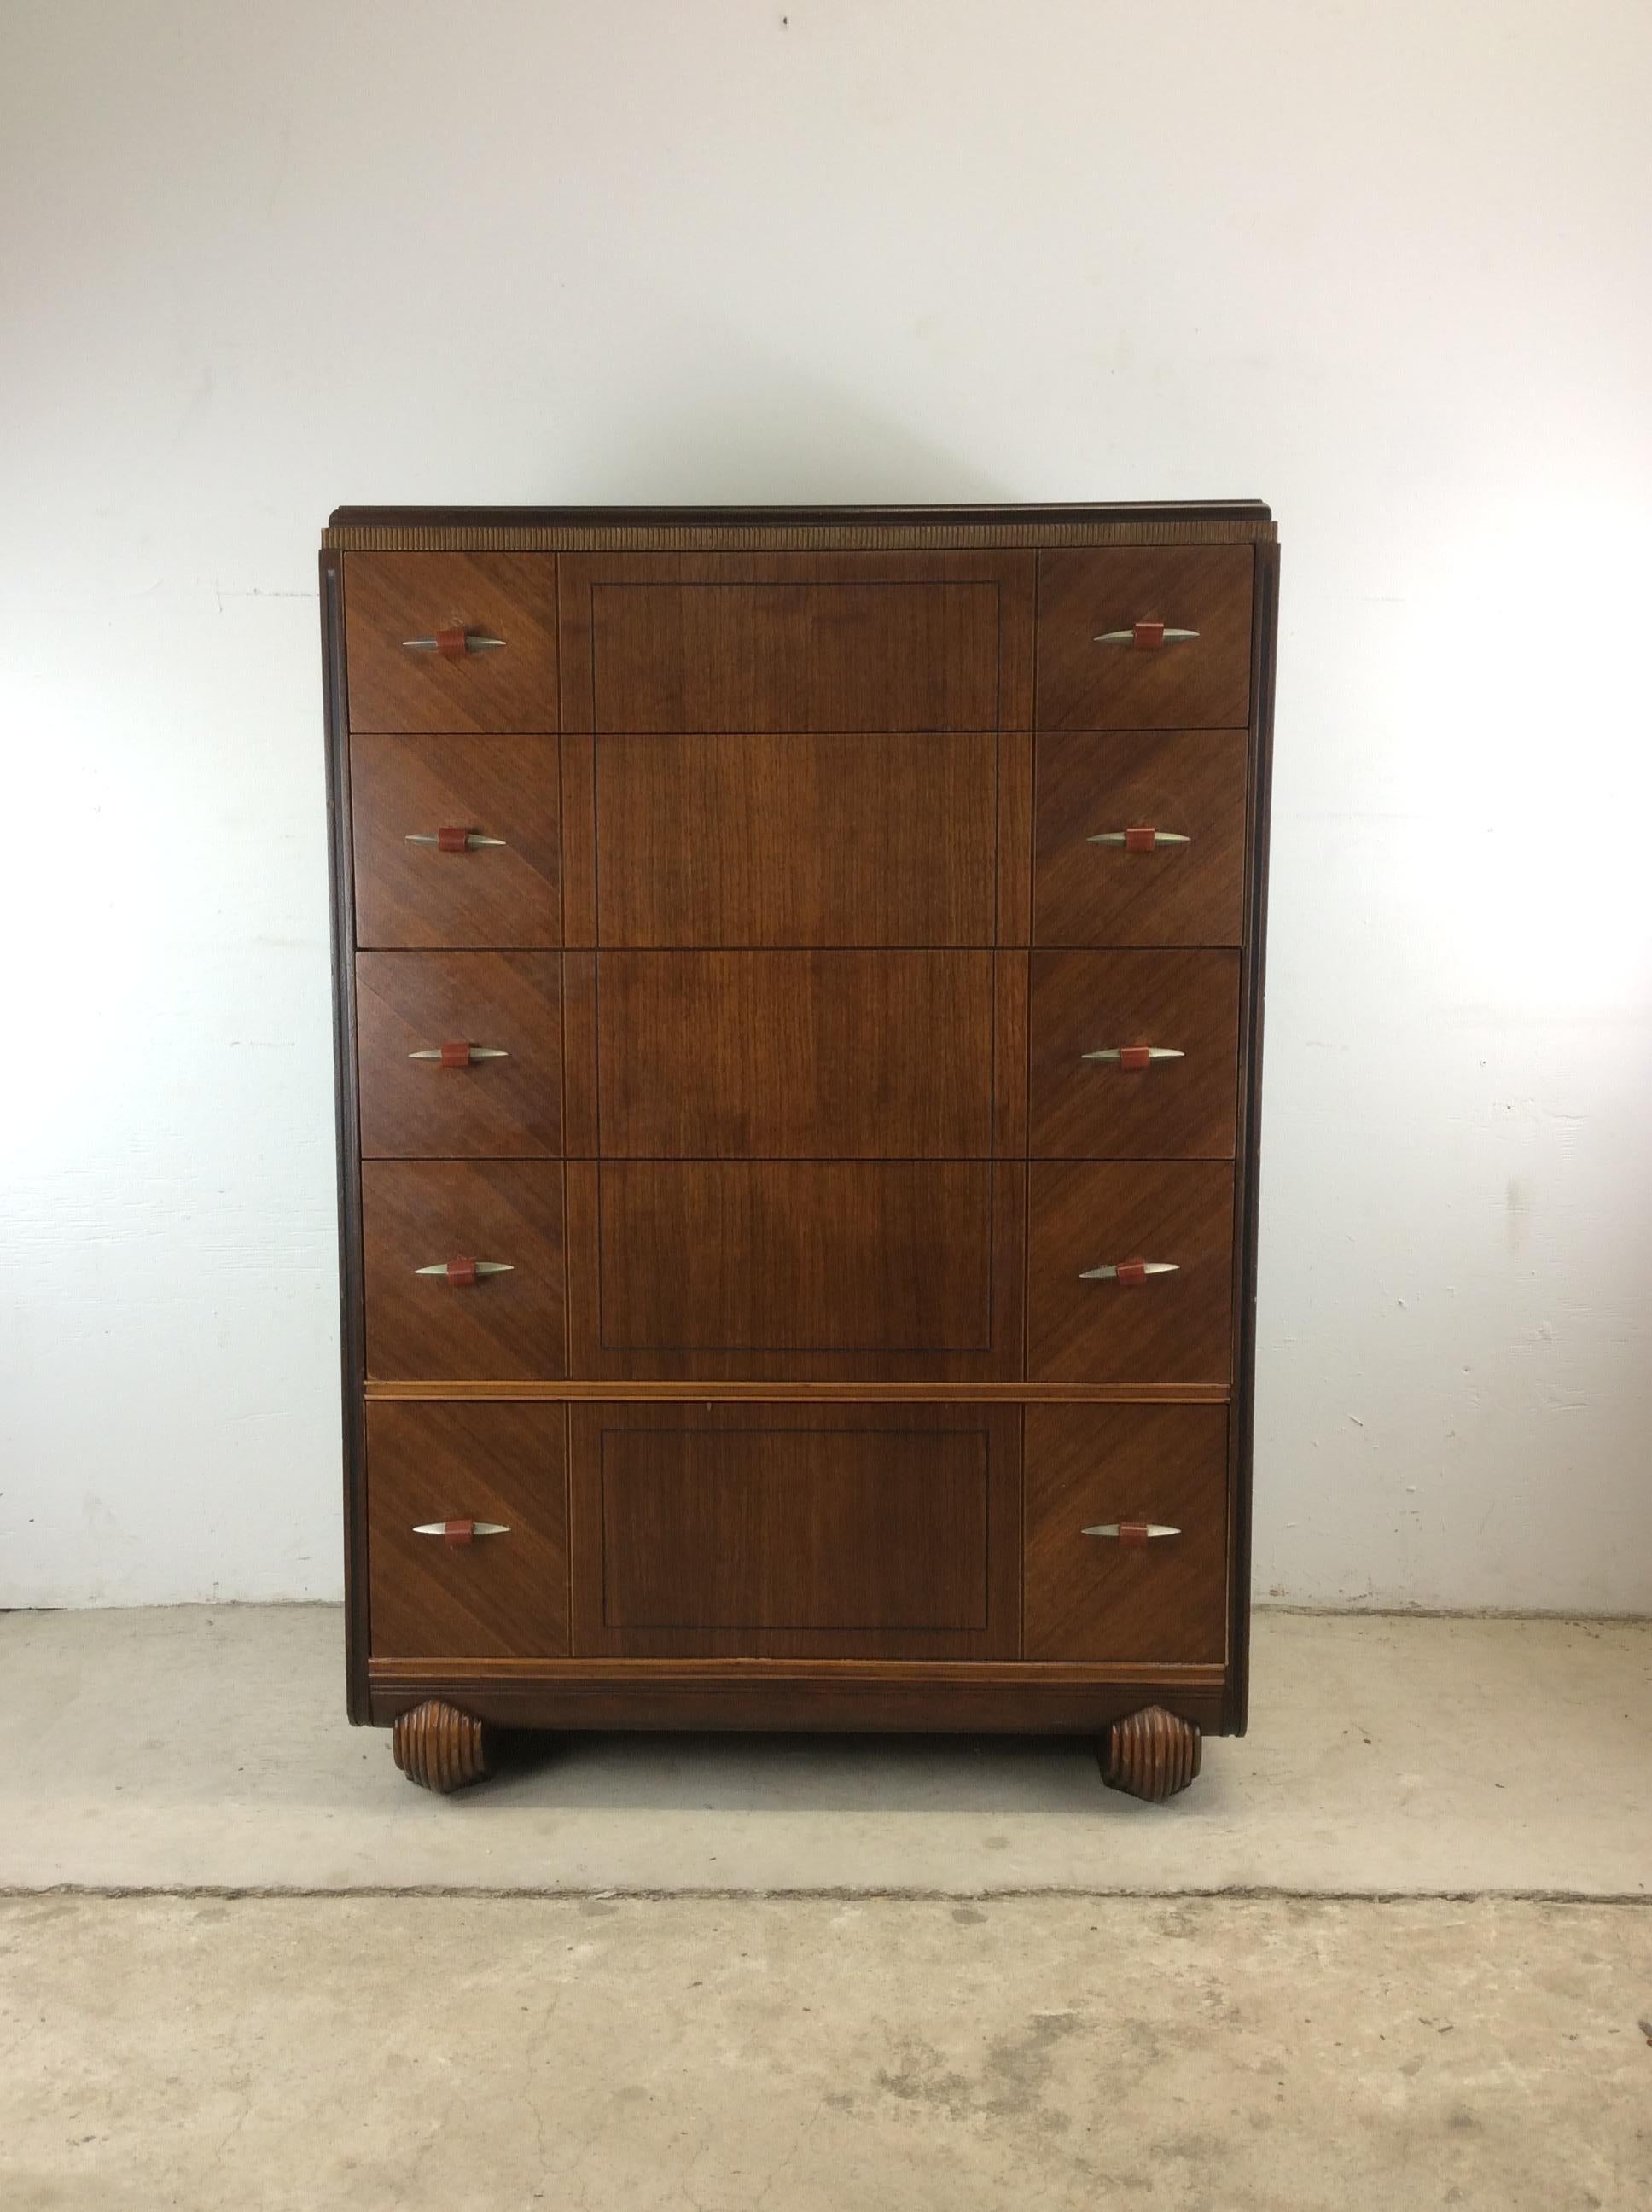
<point x="798" y="997"/>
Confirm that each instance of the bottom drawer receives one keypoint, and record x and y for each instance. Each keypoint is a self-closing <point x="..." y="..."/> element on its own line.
<point x="1130" y="1595"/>
<point x="502" y="1595"/>
<point x="785" y="1531"/>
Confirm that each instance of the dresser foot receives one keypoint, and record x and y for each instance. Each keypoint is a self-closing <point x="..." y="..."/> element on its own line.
<point x="1149" y="1754"/>
<point x="439" y="1748"/>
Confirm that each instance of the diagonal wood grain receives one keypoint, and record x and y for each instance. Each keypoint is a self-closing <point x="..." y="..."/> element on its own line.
<point x="503" y="1327"/>
<point x="1182" y="1108"/>
<point x="501" y="1596"/>
<point x="414" y="894"/>
<point x="1204" y="684"/>
<point x="409" y="1002"/>
<point x="391" y="597"/>
<point x="1089" y="1597"/>
<point x="1193" y="894"/>
<point x="1171" y="1328"/>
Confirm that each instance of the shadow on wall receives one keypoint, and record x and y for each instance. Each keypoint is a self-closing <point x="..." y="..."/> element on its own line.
<point x="765" y="438"/>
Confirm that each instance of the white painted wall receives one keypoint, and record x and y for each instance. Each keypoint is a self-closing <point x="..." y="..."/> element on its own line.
<point x="1385" y="265"/>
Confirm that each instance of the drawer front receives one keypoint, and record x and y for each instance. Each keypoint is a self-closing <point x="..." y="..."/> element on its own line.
<point x="794" y="1055"/>
<point x="1188" y="888"/>
<point x="1134" y="1055"/>
<point x="502" y="892"/>
<point x="493" y="1020"/>
<point x="765" y="1269"/>
<point x="795" y="841"/>
<point x="799" y="656"/>
<point x="1130" y="1595"/>
<point x="499" y="1595"/>
<point x="506" y="1326"/>
<point x="1170" y="1328"/>
<point x="764" y="1531"/>
<point x="455" y="601"/>
<point x="1108" y="655"/>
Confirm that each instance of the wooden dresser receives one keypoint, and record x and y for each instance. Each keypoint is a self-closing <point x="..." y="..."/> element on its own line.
<point x="798" y="1011"/>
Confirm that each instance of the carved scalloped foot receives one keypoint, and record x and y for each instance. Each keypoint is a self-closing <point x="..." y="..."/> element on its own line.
<point x="1149" y="1754"/>
<point x="439" y="1748"/>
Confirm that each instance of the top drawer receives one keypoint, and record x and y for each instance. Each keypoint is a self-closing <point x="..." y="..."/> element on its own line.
<point x="451" y="643"/>
<point x="1109" y="656"/>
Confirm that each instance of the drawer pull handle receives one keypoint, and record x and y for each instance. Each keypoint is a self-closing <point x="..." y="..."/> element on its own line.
<point x="1133" y="1533"/>
<point x="1141" y="837"/>
<point x="455" y="1054"/>
<point x="1133" y="1058"/>
<point x="1130" y="1272"/>
<point x="464" y="1273"/>
<point x="1145" y="636"/>
<point x="454" y="644"/>
<point x="452" y="841"/>
<point x="459" y="1532"/>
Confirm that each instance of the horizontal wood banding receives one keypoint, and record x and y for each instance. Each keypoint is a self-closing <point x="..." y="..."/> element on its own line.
<point x="1032" y="1393"/>
<point x="918" y="537"/>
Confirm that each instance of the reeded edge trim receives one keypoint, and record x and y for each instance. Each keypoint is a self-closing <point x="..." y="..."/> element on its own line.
<point x="779" y="538"/>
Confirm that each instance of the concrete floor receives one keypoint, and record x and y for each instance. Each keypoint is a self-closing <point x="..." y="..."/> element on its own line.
<point x="1416" y="2024"/>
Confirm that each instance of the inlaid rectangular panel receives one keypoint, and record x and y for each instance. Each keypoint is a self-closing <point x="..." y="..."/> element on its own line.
<point x="1109" y="657"/>
<point x="506" y="1326"/>
<point x="494" y="1090"/>
<point x="806" y="1055"/>
<point x="1169" y="1327"/>
<point x="1168" y="1023"/>
<point x="454" y="600"/>
<point x="836" y="840"/>
<point x="861" y="1270"/>
<point x="502" y="1595"/>
<point x="497" y="798"/>
<point x="794" y="655"/>
<point x="789" y="1531"/>
<point x="1158" y="1598"/>
<point x="1185" y="884"/>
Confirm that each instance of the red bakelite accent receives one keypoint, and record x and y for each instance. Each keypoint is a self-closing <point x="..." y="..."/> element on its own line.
<point x="455" y="1054"/>
<point x="1148" y="636"/>
<point x="458" y="1532"/>
<point x="450" y="643"/>
<point x="1135" y="1057"/>
<point x="452" y="841"/>
<point x="1139" y="838"/>
<point x="461" y="1273"/>
<point x="1132" y="1270"/>
<point x="1133" y="1532"/>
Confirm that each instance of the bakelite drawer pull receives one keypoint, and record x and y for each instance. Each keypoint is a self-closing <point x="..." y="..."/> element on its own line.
<point x="459" y="1532"/>
<point x="462" y="1273"/>
<point x="1130" y="1272"/>
<point x="1135" y="1057"/>
<point x="454" y="1053"/>
<point x="1131" y="1533"/>
<point x="454" y="644"/>
<point x="452" y="841"/>
<point x="1145" y="636"/>
<point x="1141" y="837"/>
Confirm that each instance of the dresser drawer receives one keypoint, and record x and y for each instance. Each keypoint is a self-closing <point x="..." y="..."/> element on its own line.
<point x="1141" y="840"/>
<point x="498" y="1326"/>
<point x="1173" y="1327"/>
<point x="455" y="842"/>
<point x="791" y="1530"/>
<point x="449" y="642"/>
<point x="1134" y="1055"/>
<point x="460" y="1054"/>
<point x="497" y="1590"/>
<point x="795" y="841"/>
<point x="1109" y="655"/>
<point x="1127" y="1533"/>
<point x="810" y="654"/>
<point x="794" y="1055"/>
<point x="856" y="1270"/>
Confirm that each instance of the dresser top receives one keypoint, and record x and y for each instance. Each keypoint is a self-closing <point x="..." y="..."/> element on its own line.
<point x="802" y="529"/>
